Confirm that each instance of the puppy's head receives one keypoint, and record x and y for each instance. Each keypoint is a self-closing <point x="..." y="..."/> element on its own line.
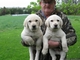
<point x="54" y="22"/>
<point x="32" y="22"/>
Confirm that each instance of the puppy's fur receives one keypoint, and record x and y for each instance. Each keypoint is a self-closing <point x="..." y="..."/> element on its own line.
<point x="55" y="33"/>
<point x="32" y="34"/>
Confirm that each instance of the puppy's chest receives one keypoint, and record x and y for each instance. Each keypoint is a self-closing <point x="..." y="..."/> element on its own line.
<point x="34" y="36"/>
<point x="55" y="37"/>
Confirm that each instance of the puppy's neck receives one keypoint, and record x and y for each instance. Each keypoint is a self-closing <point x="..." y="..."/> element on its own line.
<point x="54" y="30"/>
<point x="33" y="31"/>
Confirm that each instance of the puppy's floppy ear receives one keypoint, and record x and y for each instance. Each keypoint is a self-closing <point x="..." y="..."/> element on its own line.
<point x="61" y="23"/>
<point x="47" y="23"/>
<point x="25" y="22"/>
<point x="40" y="22"/>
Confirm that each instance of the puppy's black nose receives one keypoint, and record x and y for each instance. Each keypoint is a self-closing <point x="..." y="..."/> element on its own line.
<point x="34" y="26"/>
<point x="55" y="26"/>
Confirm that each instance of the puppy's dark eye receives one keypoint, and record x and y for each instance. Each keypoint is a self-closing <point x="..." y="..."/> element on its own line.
<point x="57" y="20"/>
<point x="51" y="20"/>
<point x="30" y="21"/>
<point x="36" y="20"/>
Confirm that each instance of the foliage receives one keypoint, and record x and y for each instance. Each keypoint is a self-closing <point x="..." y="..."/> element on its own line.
<point x="16" y="10"/>
<point x="4" y="11"/>
<point x="34" y="6"/>
<point x="70" y="8"/>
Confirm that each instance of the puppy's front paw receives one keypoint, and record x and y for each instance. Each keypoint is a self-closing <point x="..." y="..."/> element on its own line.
<point x="65" y="49"/>
<point x="31" y="43"/>
<point x="44" y="51"/>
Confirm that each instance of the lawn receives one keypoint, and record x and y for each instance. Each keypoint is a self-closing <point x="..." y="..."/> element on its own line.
<point x="10" y="40"/>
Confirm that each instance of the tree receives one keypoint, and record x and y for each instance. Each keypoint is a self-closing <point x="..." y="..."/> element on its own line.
<point x="3" y="12"/>
<point x="70" y="8"/>
<point x="34" y="6"/>
<point x="65" y="1"/>
<point x="73" y="1"/>
<point x="78" y="1"/>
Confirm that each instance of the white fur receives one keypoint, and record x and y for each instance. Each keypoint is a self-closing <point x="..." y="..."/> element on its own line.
<point x="32" y="34"/>
<point x="54" y="32"/>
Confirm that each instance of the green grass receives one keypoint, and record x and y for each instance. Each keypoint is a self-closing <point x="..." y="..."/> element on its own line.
<point x="74" y="51"/>
<point x="9" y="21"/>
<point x="10" y="46"/>
<point x="10" y="40"/>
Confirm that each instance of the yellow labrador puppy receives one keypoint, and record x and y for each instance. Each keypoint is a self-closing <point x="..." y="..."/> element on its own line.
<point x="32" y="34"/>
<point x="54" y="32"/>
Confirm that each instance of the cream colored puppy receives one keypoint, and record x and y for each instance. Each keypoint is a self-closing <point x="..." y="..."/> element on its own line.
<point x="54" y="32"/>
<point x="32" y="34"/>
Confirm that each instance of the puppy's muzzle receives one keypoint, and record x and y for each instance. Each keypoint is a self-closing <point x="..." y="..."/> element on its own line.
<point x="55" y="26"/>
<point x="34" y="27"/>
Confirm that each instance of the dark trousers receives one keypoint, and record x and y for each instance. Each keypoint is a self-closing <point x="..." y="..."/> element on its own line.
<point x="48" y="57"/>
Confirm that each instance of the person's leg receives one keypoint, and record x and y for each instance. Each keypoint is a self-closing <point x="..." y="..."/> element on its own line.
<point x="44" y="57"/>
<point x="58" y="57"/>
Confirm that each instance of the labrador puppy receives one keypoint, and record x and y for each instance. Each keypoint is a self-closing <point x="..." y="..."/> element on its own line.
<point x="32" y="34"/>
<point x="55" y="33"/>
